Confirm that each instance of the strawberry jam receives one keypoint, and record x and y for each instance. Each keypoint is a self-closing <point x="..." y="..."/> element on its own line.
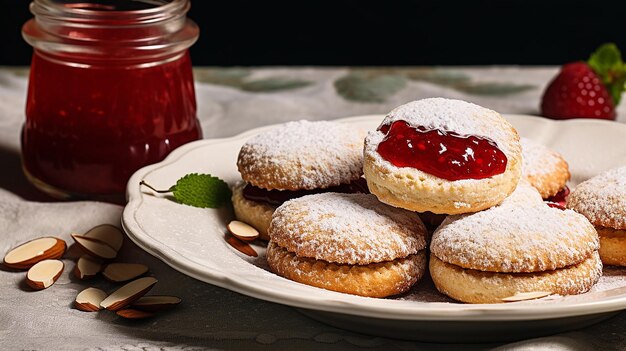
<point x="555" y="205"/>
<point x="560" y="197"/>
<point x="278" y="197"/>
<point x="443" y="154"/>
<point x="88" y="130"/>
<point x="110" y="91"/>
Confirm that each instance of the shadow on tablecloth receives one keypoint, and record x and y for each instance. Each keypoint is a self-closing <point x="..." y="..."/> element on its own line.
<point x="12" y="178"/>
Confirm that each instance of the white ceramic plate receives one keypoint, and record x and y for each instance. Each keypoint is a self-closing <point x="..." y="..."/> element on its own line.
<point x="191" y="240"/>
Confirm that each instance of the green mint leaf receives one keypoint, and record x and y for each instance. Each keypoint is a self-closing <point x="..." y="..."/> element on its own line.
<point x="607" y="62"/>
<point x="201" y="190"/>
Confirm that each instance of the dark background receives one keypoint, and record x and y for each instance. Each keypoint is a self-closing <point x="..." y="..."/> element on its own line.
<point x="235" y="33"/>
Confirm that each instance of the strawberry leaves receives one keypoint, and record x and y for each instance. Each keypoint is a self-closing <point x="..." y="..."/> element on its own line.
<point x="607" y="63"/>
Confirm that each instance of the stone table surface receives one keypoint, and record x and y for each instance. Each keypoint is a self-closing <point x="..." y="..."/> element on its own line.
<point x="232" y="100"/>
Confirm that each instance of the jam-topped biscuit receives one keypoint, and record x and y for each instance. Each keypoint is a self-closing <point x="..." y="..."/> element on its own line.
<point x="293" y="160"/>
<point x="350" y="243"/>
<point x="602" y="199"/>
<point x="522" y="245"/>
<point x="546" y="170"/>
<point x="443" y="156"/>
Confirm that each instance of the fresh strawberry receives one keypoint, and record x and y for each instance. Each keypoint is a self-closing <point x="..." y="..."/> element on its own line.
<point x="587" y="89"/>
<point x="577" y="92"/>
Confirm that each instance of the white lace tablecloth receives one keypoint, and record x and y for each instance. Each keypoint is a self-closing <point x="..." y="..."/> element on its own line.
<point x="231" y="101"/>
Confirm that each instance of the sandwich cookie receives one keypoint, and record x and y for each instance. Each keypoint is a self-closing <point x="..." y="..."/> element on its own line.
<point x="349" y="243"/>
<point x="520" y="246"/>
<point x="602" y="199"/>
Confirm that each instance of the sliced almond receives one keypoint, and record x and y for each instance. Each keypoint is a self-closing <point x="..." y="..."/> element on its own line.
<point x="107" y="234"/>
<point x="95" y="248"/>
<point x="89" y="300"/>
<point x="131" y="313"/>
<point x="241" y="246"/>
<point x="121" y="272"/>
<point x="242" y="231"/>
<point x="87" y="267"/>
<point x="29" y="253"/>
<point x="128" y="293"/>
<point x="44" y="274"/>
<point x="156" y="303"/>
<point x="531" y="295"/>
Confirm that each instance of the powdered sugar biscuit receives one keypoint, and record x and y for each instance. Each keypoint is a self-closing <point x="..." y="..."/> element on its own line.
<point x="413" y="189"/>
<point x="602" y="199"/>
<point x="518" y="239"/>
<point x="346" y="229"/>
<point x="349" y="243"/>
<point x="303" y="155"/>
<point x="544" y="168"/>
<point x="521" y="245"/>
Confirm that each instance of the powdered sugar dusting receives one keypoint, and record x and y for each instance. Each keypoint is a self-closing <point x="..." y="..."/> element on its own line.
<point x="505" y="238"/>
<point x="612" y="278"/>
<point x="524" y="194"/>
<point x="347" y="229"/>
<point x="537" y="159"/>
<point x="602" y="199"/>
<point x="303" y="155"/>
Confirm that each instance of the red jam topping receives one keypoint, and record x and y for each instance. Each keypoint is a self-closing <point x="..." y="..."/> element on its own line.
<point x="559" y="197"/>
<point x="443" y="154"/>
<point x="277" y="197"/>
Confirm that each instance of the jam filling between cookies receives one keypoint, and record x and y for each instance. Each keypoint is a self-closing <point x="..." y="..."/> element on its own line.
<point x="560" y="197"/>
<point x="555" y="205"/>
<point x="278" y="197"/>
<point x="444" y="154"/>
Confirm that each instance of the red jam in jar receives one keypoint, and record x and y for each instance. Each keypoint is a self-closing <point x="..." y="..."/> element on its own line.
<point x="110" y="91"/>
<point x="443" y="154"/>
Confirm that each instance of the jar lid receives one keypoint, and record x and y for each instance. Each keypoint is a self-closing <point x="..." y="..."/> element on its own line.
<point x="140" y="30"/>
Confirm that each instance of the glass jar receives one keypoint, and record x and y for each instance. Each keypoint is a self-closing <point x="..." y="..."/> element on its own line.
<point x="110" y="91"/>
